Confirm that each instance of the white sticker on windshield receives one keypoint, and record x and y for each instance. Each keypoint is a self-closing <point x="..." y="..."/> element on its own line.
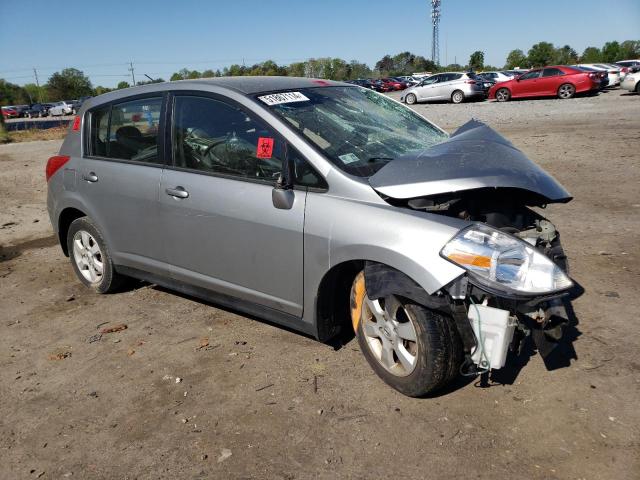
<point x="284" y="97"/>
<point x="348" y="158"/>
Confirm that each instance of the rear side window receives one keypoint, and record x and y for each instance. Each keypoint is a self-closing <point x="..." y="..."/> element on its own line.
<point x="127" y="131"/>
<point x="552" y="72"/>
<point x="99" y="121"/>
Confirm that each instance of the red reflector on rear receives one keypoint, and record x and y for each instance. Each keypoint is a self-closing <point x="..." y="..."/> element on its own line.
<point x="54" y="164"/>
<point x="76" y="124"/>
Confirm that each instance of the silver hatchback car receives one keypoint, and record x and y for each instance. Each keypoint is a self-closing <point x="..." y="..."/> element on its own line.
<point x="321" y="206"/>
<point x="453" y="86"/>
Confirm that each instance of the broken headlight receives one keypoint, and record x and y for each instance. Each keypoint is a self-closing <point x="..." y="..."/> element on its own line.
<point x="501" y="261"/>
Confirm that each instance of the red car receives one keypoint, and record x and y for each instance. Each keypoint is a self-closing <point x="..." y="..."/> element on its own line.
<point x="557" y="80"/>
<point x="10" y="112"/>
<point x="393" y="84"/>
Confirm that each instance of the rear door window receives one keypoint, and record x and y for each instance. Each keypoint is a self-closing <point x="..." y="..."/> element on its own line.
<point x="133" y="130"/>
<point x="126" y="131"/>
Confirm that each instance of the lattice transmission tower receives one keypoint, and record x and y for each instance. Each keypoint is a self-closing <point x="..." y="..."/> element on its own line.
<point x="435" y="41"/>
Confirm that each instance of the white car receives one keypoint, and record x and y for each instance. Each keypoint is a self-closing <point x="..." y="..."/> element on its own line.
<point x="612" y="73"/>
<point x="631" y="82"/>
<point x="61" y="108"/>
<point x="625" y="66"/>
<point x="496" y="77"/>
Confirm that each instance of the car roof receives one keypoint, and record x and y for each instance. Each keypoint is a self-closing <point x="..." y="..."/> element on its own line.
<point x="246" y="85"/>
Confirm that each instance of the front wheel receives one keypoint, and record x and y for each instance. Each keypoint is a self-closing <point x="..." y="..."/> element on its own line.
<point x="503" y="95"/>
<point x="90" y="258"/>
<point x="413" y="349"/>
<point x="566" y="91"/>
<point x="457" y="97"/>
<point x="410" y="99"/>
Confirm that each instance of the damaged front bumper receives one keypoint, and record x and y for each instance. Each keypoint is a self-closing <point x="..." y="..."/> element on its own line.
<point x="490" y="325"/>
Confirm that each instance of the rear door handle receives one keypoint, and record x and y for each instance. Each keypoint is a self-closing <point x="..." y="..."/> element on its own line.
<point x="90" y="177"/>
<point x="178" y="192"/>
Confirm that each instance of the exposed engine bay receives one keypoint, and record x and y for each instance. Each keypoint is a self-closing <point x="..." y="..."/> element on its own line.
<point x="542" y="318"/>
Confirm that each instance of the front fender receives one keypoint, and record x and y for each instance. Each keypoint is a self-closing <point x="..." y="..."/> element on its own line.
<point x="339" y="230"/>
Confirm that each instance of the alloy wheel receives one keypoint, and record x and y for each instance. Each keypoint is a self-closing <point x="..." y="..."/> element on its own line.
<point x="88" y="256"/>
<point x="566" y="91"/>
<point x="502" y="95"/>
<point x="390" y="335"/>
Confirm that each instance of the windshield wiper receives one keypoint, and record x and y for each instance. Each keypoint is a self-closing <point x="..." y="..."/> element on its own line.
<point x="375" y="159"/>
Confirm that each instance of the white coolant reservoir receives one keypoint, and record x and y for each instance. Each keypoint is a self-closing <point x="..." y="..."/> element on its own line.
<point x="492" y="328"/>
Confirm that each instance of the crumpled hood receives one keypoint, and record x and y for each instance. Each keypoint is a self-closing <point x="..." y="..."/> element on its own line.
<point x="475" y="156"/>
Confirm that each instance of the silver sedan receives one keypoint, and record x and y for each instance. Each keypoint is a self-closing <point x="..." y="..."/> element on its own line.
<point x="453" y="86"/>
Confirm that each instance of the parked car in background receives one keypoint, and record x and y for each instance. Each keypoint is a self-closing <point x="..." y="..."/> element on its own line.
<point x="322" y="207"/>
<point x="363" y="82"/>
<point x="381" y="86"/>
<point x="409" y="80"/>
<point x="553" y="81"/>
<point x="486" y="82"/>
<point x="22" y="110"/>
<point x="603" y="76"/>
<point x="496" y="77"/>
<point x="453" y="86"/>
<point x="625" y="66"/>
<point x="38" y="110"/>
<point x="62" y="108"/>
<point x="631" y="81"/>
<point x="612" y="73"/>
<point x="393" y="83"/>
<point x="10" y="112"/>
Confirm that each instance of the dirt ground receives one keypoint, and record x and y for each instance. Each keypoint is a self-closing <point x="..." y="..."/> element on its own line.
<point x="154" y="401"/>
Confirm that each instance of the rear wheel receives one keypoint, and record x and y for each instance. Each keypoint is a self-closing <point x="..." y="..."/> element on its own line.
<point x="90" y="258"/>
<point x="457" y="96"/>
<point x="410" y="99"/>
<point x="638" y="87"/>
<point x="503" y="95"/>
<point x="413" y="349"/>
<point x="566" y="90"/>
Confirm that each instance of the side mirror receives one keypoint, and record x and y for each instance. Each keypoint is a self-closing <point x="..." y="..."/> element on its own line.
<point x="282" y="195"/>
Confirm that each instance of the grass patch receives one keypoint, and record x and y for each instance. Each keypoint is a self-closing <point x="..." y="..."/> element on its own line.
<point x="32" y="134"/>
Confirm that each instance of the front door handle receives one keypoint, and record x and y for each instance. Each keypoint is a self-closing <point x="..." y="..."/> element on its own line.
<point x="178" y="192"/>
<point x="90" y="177"/>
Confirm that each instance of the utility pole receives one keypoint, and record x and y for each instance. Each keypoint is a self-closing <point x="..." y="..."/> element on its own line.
<point x="35" y="73"/>
<point x="435" y="21"/>
<point x="133" y="75"/>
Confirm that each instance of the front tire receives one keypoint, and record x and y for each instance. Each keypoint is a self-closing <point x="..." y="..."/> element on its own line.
<point x="411" y="99"/>
<point x="90" y="257"/>
<point x="411" y="348"/>
<point x="566" y="91"/>
<point x="457" y="96"/>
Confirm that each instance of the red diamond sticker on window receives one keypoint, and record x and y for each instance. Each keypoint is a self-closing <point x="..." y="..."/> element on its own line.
<point x="265" y="147"/>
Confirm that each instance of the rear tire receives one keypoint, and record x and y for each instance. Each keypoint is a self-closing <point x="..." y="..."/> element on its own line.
<point x="90" y="257"/>
<point x="503" y="95"/>
<point x="638" y="88"/>
<point x="436" y="349"/>
<point x="566" y="91"/>
<point x="457" y="96"/>
<point x="411" y="99"/>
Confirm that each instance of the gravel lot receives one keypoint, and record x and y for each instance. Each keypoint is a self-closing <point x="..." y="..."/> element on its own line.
<point x="263" y="402"/>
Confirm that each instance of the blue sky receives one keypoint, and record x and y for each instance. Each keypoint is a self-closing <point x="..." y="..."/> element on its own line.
<point x="162" y="36"/>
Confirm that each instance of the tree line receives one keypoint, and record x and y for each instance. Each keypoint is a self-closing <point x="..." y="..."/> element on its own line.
<point x="71" y="83"/>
